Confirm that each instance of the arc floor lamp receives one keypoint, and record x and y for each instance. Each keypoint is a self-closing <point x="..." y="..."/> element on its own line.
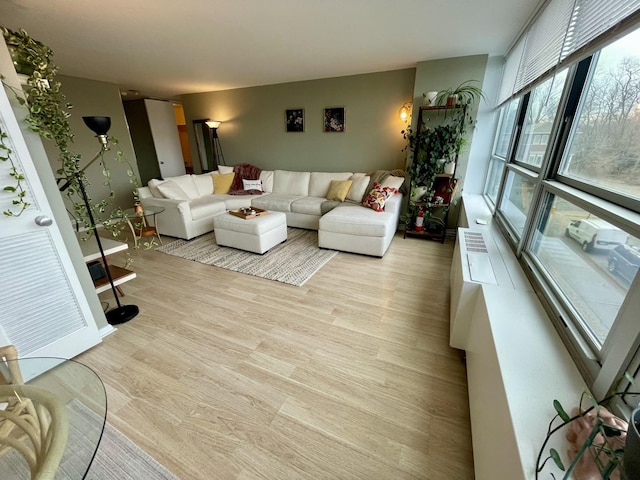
<point x="100" y="126"/>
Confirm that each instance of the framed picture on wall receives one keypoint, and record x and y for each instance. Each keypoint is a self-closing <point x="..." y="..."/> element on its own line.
<point x="294" y="120"/>
<point x="334" y="119"/>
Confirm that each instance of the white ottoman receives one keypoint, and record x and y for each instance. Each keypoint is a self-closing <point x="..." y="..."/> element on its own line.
<point x="256" y="235"/>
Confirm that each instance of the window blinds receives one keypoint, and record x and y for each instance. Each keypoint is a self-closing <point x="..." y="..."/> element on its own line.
<point x="561" y="29"/>
<point x="592" y="18"/>
<point x="545" y="40"/>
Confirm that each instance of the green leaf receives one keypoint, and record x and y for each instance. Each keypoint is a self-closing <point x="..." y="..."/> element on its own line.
<point x="9" y="188"/>
<point x="555" y="456"/>
<point x="561" y="413"/>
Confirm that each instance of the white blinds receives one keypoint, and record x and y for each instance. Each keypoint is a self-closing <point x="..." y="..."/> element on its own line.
<point x="545" y="39"/>
<point x="561" y="28"/>
<point x="510" y="72"/>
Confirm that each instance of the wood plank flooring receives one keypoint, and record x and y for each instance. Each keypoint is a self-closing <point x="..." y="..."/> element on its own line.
<point x="228" y="376"/>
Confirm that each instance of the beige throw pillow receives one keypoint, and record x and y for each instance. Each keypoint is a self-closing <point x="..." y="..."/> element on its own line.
<point x="222" y="183"/>
<point x="338" y="190"/>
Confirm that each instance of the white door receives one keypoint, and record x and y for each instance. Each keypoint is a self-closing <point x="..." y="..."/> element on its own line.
<point x="166" y="139"/>
<point x="43" y="311"/>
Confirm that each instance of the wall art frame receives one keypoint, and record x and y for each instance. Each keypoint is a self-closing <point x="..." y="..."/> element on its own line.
<point x="294" y="119"/>
<point x="334" y="119"/>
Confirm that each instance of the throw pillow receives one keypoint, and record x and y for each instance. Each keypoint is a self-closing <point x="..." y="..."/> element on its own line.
<point x="378" y="197"/>
<point x="222" y="183"/>
<point x="223" y="169"/>
<point x="359" y="187"/>
<point x="153" y="187"/>
<point x="393" y="182"/>
<point x="338" y="190"/>
<point x="172" y="190"/>
<point x="251" y="184"/>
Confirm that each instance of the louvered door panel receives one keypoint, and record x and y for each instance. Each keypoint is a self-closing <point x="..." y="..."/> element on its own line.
<point x="35" y="287"/>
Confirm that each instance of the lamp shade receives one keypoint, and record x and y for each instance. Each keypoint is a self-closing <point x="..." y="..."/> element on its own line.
<point x="99" y="125"/>
<point x="212" y="123"/>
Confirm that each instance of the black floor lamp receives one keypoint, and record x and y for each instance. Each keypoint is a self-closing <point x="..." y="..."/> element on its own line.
<point x="218" y="156"/>
<point x="101" y="125"/>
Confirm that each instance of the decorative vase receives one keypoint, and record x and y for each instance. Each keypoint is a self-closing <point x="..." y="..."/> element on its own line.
<point x="632" y="447"/>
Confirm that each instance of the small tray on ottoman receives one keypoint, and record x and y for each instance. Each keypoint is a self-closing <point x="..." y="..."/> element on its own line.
<point x="244" y="212"/>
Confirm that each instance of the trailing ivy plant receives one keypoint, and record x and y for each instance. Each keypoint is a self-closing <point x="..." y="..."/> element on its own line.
<point x="48" y="114"/>
<point x="19" y="202"/>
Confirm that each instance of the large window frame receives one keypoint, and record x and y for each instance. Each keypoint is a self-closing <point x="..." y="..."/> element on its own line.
<point x="602" y="366"/>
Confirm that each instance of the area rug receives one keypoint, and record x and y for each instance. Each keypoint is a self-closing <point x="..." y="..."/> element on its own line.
<point x="293" y="262"/>
<point x="117" y="456"/>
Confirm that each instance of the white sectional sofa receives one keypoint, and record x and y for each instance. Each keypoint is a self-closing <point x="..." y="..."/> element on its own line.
<point x="347" y="226"/>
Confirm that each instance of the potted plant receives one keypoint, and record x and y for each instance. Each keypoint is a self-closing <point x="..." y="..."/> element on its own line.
<point x="601" y="445"/>
<point x="48" y="114"/>
<point x="463" y="94"/>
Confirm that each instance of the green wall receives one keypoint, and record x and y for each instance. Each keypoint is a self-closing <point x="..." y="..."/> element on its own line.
<point x="445" y="73"/>
<point x="90" y="97"/>
<point x="254" y="123"/>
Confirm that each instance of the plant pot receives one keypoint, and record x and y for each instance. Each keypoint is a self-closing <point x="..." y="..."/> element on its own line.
<point x="429" y="99"/>
<point x="449" y="168"/>
<point x="632" y="447"/>
<point x="417" y="193"/>
<point x="452" y="100"/>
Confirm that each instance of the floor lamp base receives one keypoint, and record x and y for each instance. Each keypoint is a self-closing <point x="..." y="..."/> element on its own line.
<point x="122" y="314"/>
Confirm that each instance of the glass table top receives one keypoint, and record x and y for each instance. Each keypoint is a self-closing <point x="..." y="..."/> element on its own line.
<point x="131" y="212"/>
<point x="77" y="399"/>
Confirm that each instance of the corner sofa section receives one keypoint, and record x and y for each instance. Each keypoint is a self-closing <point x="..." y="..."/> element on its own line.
<point x="347" y="226"/>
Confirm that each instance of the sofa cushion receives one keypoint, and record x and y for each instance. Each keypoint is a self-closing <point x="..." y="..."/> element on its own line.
<point x="280" y="202"/>
<point x="319" y="182"/>
<point x="153" y="187"/>
<point x="358" y="220"/>
<point x="206" y="206"/>
<point x="393" y="182"/>
<point x="266" y="176"/>
<point x="308" y="205"/>
<point x="338" y="190"/>
<point x="204" y="184"/>
<point x="292" y="183"/>
<point x="172" y="190"/>
<point x="378" y="196"/>
<point x="359" y="187"/>
<point x="186" y="183"/>
<point x="222" y="183"/>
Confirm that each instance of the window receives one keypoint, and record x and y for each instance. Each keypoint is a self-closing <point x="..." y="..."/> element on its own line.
<point x="570" y="201"/>
<point x="604" y="147"/>
<point x="516" y="200"/>
<point x="506" y="126"/>
<point x="591" y="264"/>
<point x="540" y="115"/>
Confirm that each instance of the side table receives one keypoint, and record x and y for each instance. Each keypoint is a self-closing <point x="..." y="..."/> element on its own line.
<point x="140" y="225"/>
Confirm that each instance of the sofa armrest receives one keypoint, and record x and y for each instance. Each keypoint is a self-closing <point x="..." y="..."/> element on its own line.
<point x="394" y="204"/>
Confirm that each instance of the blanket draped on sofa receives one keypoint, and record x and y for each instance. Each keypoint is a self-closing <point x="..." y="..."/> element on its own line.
<point x="244" y="171"/>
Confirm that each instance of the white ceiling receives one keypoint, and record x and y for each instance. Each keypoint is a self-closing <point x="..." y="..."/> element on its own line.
<point x="164" y="48"/>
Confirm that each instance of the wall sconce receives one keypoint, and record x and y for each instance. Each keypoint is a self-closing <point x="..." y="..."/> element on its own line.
<point x="405" y="111"/>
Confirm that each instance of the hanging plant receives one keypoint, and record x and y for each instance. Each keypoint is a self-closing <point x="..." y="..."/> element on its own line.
<point x="48" y="116"/>
<point x="19" y="203"/>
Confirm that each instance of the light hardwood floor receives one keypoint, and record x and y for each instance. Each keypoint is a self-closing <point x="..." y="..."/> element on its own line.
<point x="228" y="376"/>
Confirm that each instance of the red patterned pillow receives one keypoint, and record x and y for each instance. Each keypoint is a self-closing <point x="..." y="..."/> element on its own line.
<point x="378" y="197"/>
